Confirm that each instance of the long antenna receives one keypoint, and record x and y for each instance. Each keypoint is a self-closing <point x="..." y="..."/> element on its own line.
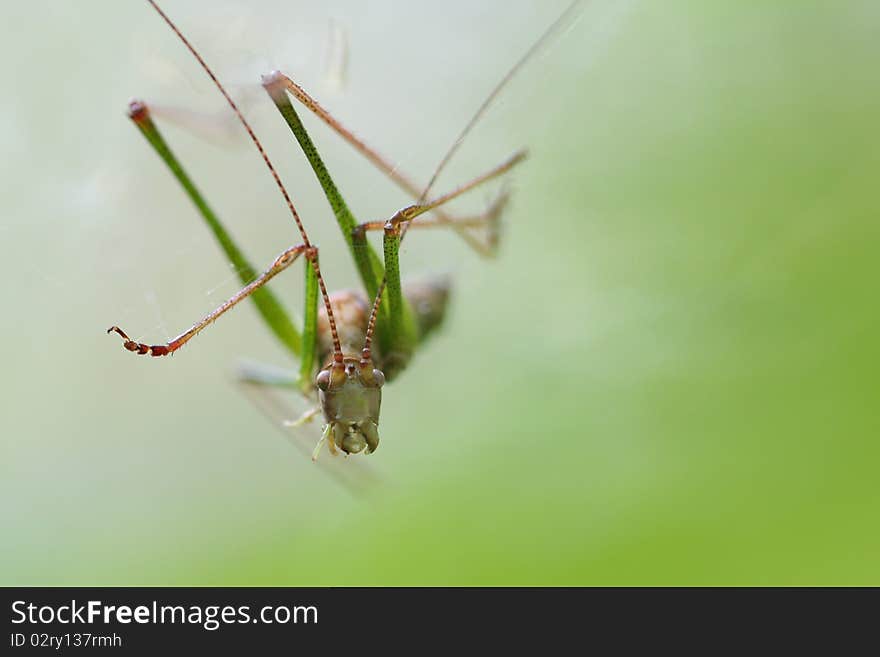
<point x="337" y="348"/>
<point x="568" y="15"/>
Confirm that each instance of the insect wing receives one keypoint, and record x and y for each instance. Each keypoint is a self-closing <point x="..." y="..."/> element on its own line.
<point x="284" y="405"/>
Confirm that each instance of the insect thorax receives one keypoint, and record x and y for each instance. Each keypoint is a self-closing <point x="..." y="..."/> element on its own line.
<point x="351" y="310"/>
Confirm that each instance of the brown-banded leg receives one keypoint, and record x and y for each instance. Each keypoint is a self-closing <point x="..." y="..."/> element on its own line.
<point x="403" y="218"/>
<point x="276" y="81"/>
<point x="489" y="221"/>
<point x="282" y="262"/>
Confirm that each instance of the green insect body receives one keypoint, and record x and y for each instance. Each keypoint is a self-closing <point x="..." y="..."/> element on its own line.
<point x="340" y="363"/>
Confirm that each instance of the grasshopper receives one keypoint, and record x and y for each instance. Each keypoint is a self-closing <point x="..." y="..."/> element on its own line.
<point x="357" y="340"/>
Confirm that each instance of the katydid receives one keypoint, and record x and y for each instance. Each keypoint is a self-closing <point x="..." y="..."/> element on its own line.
<point x="356" y="341"/>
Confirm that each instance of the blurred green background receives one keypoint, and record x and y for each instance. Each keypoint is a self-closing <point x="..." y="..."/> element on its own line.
<point x="669" y="376"/>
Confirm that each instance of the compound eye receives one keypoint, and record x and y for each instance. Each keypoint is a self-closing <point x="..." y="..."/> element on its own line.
<point x="323" y="380"/>
<point x="380" y="378"/>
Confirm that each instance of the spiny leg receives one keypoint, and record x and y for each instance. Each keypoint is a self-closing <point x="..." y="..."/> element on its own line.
<point x="268" y="305"/>
<point x="489" y="219"/>
<point x="423" y="207"/>
<point x="276" y="84"/>
<point x="367" y="261"/>
<point x="404" y="217"/>
<point x="399" y="341"/>
<point x="282" y="262"/>
<point x="310" y="329"/>
<point x="368" y="264"/>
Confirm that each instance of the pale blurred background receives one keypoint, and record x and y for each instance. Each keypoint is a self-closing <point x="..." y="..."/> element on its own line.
<point x="669" y="376"/>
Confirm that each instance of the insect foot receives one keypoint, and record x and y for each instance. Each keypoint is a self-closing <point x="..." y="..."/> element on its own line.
<point x="139" y="347"/>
